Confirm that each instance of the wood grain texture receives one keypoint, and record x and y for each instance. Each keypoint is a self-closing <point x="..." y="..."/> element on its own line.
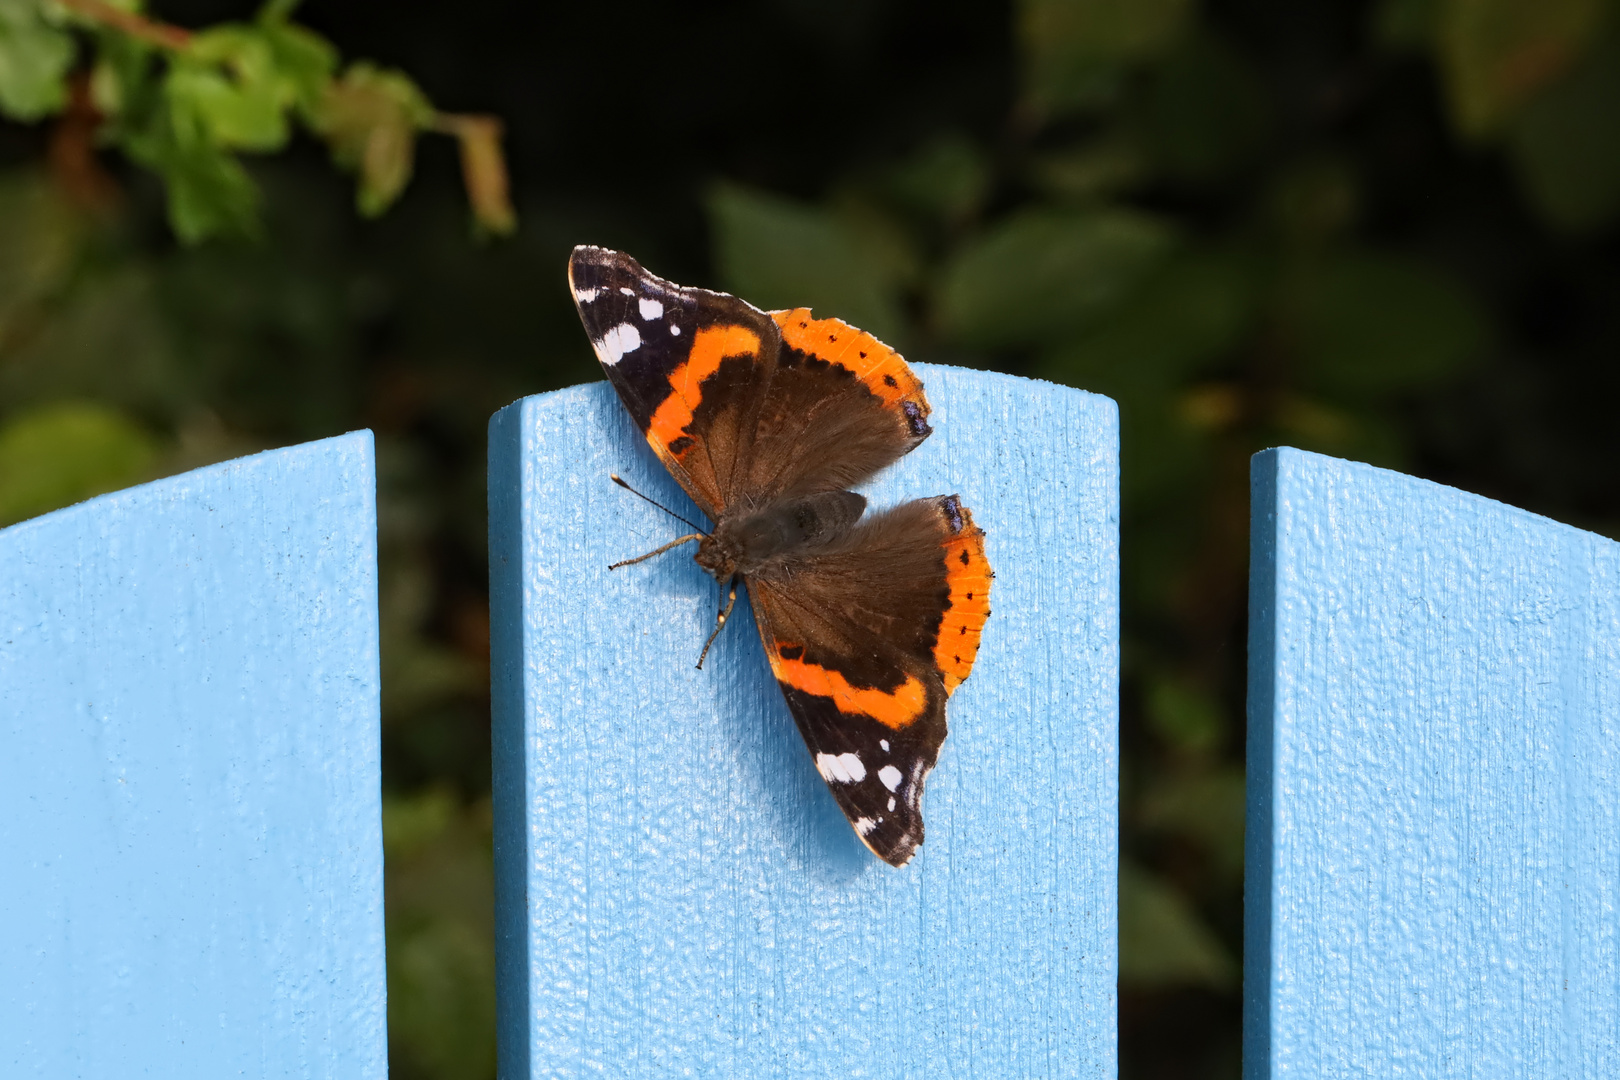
<point x="1434" y="846"/>
<point x="678" y="894"/>
<point x="189" y="787"/>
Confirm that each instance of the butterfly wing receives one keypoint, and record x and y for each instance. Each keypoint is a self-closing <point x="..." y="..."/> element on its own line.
<point x="685" y="362"/>
<point x="841" y="406"/>
<point x="867" y="639"/>
<point x="741" y="405"/>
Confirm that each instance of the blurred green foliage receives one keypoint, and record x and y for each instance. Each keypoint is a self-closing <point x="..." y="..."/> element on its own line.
<point x="1379" y="230"/>
<point x="185" y="104"/>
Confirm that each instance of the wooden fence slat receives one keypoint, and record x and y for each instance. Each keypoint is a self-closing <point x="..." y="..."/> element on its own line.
<point x="1434" y="778"/>
<point x="189" y="781"/>
<point x="677" y="893"/>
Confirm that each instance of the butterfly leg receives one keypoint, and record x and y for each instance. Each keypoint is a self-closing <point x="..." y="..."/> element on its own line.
<point x="719" y="623"/>
<point x="687" y="539"/>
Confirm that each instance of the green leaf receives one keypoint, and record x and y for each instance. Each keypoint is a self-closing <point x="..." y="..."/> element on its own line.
<point x="61" y="454"/>
<point x="227" y="90"/>
<point x="776" y="253"/>
<point x="946" y="179"/>
<point x="1162" y="941"/>
<point x="1207" y="808"/>
<point x="370" y="118"/>
<point x="1041" y="273"/>
<point x="304" y="60"/>
<point x="40" y="241"/>
<point x="1495" y="54"/>
<point x="1373" y="324"/>
<point x="483" y="171"/>
<point x="120" y="81"/>
<point x="209" y="108"/>
<point x="441" y="955"/>
<point x="1566" y="145"/>
<point x="1190" y="311"/>
<point x="1189" y="315"/>
<point x="1073" y="48"/>
<point x="1185" y="717"/>
<point x="276" y="12"/>
<point x="1202" y="114"/>
<point x="1088" y="173"/>
<point x="210" y="193"/>
<point x="105" y="336"/>
<point x="1406" y="24"/>
<point x="34" y="61"/>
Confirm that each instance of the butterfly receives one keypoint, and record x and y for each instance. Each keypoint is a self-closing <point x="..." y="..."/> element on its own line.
<point x="768" y="419"/>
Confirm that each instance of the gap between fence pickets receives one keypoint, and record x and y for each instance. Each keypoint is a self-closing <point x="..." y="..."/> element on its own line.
<point x="1258" y="838"/>
<point x="509" y="775"/>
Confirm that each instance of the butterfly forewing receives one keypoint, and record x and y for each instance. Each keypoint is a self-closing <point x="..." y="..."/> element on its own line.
<point x="685" y="362"/>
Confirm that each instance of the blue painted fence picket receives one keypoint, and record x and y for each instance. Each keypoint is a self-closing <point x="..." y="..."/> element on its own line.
<point x="677" y="893"/>
<point x="189" y="777"/>
<point x="1434" y="784"/>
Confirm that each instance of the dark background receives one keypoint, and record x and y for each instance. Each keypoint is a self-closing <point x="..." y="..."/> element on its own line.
<point x="1382" y="231"/>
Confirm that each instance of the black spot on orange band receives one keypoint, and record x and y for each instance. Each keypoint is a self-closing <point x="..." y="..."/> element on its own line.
<point x="879" y="367"/>
<point x="967" y="577"/>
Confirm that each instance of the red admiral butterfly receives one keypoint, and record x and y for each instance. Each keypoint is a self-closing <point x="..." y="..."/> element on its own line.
<point x="767" y="419"/>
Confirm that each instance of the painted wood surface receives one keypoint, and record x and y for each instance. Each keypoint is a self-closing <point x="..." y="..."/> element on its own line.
<point x="1434" y="800"/>
<point x="677" y="892"/>
<point x="189" y="783"/>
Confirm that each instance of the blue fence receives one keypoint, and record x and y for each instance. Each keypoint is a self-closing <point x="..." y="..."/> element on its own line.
<point x="189" y="789"/>
<point x="1434" y="817"/>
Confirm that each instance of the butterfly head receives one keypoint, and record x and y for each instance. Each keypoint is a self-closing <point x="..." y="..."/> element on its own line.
<point x="719" y="555"/>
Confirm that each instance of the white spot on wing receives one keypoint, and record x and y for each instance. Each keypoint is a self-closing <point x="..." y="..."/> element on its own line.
<point x="841" y="769"/>
<point x="864" y="825"/>
<point x="891" y="777"/>
<point x="585" y="296"/>
<point x="616" y="342"/>
<point x="885" y="744"/>
<point x="650" y="309"/>
<point x="674" y="329"/>
<point x="891" y="802"/>
<point x="627" y="292"/>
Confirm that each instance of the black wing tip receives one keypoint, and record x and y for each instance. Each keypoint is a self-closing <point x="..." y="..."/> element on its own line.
<point x="589" y="265"/>
<point x="593" y="255"/>
<point x="900" y="854"/>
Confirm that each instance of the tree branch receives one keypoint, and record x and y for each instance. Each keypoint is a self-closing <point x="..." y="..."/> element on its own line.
<point x="163" y="35"/>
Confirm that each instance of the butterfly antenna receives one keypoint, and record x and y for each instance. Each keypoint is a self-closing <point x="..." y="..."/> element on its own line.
<point x="677" y="542"/>
<point x="617" y="479"/>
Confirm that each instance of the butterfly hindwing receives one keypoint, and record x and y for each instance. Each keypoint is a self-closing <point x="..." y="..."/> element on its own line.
<point x="867" y="640"/>
<point x="841" y="406"/>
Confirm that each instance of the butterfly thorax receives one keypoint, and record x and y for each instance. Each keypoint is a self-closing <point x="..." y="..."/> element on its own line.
<point x="745" y="541"/>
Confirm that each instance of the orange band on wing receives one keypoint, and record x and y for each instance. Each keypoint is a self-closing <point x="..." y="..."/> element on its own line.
<point x="892" y="708"/>
<point x="709" y="347"/>
<point x="968" y="574"/>
<point x="879" y="367"/>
